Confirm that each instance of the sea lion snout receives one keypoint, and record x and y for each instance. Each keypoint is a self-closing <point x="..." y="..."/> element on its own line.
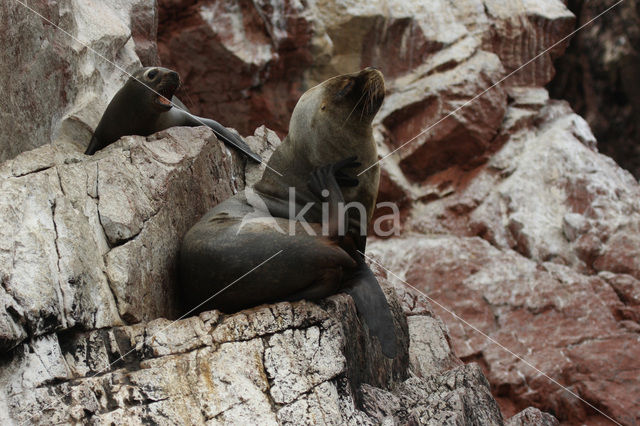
<point x="167" y="85"/>
<point x="374" y="88"/>
<point x="367" y="89"/>
<point x="169" y="81"/>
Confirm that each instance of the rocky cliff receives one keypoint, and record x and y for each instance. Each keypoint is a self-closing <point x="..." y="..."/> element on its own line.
<point x="510" y="218"/>
<point x="92" y="331"/>
<point x="597" y="76"/>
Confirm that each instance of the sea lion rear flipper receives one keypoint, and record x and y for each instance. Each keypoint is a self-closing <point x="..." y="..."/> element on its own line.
<point x="372" y="306"/>
<point x="94" y="145"/>
<point x="228" y="137"/>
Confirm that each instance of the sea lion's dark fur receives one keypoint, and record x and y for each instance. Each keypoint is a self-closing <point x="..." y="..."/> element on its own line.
<point x="330" y="123"/>
<point x="142" y="107"/>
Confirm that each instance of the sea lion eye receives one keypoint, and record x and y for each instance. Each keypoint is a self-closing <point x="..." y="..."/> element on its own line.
<point x="152" y="74"/>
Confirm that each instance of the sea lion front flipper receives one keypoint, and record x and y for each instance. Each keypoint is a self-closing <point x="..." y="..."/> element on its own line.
<point x="228" y="137"/>
<point x="324" y="183"/>
<point x="372" y="306"/>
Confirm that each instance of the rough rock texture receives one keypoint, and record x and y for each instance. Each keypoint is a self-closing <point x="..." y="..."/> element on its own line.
<point x="278" y="364"/>
<point x="54" y="85"/>
<point x="538" y="248"/>
<point x="279" y="49"/>
<point x="511" y="219"/>
<point x="597" y="76"/>
<point x="532" y="416"/>
<point x="242" y="62"/>
<point x="90" y="241"/>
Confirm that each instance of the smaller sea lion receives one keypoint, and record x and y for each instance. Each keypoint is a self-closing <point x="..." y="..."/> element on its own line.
<point x="142" y="107"/>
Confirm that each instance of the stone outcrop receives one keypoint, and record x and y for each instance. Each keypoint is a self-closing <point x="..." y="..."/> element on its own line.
<point x="299" y="363"/>
<point x="55" y="85"/>
<point x="538" y="249"/>
<point x="90" y="241"/>
<point x="597" y="75"/>
<point x="509" y="218"/>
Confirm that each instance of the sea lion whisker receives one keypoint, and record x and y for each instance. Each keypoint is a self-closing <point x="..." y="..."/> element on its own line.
<point x="354" y="108"/>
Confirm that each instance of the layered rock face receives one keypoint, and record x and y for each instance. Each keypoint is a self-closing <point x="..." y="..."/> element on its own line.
<point x="509" y="218"/>
<point x="597" y="76"/>
<point x="89" y="336"/>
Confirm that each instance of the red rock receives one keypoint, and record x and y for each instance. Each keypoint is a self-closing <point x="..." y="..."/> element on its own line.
<point x="532" y="416"/>
<point x="241" y="62"/>
<point x="621" y="253"/>
<point x="568" y="325"/>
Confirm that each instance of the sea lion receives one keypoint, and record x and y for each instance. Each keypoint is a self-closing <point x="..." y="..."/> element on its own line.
<point x="330" y="125"/>
<point x="142" y="107"/>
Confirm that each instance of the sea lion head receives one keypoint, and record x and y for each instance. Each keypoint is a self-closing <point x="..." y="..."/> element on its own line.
<point x="331" y="122"/>
<point x="163" y="81"/>
<point x="345" y="102"/>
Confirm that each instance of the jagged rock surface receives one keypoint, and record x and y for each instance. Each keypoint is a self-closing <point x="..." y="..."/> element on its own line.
<point x="279" y="49"/>
<point x="597" y="76"/>
<point x="536" y="234"/>
<point x="90" y="241"/>
<point x="299" y="363"/>
<point x="55" y="86"/>
<point x="538" y="250"/>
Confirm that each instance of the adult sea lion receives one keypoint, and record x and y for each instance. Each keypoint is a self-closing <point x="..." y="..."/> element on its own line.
<point x="330" y="126"/>
<point x="142" y="107"/>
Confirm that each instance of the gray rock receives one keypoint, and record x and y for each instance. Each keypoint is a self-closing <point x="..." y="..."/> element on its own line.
<point x="92" y="241"/>
<point x="532" y="417"/>
<point x="170" y="372"/>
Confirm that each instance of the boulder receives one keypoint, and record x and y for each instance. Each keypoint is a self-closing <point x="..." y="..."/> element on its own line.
<point x="91" y="242"/>
<point x="287" y="363"/>
<point x="56" y="83"/>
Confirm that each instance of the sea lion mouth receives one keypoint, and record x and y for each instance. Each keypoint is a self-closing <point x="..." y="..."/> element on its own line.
<point x="163" y="101"/>
<point x="167" y="88"/>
